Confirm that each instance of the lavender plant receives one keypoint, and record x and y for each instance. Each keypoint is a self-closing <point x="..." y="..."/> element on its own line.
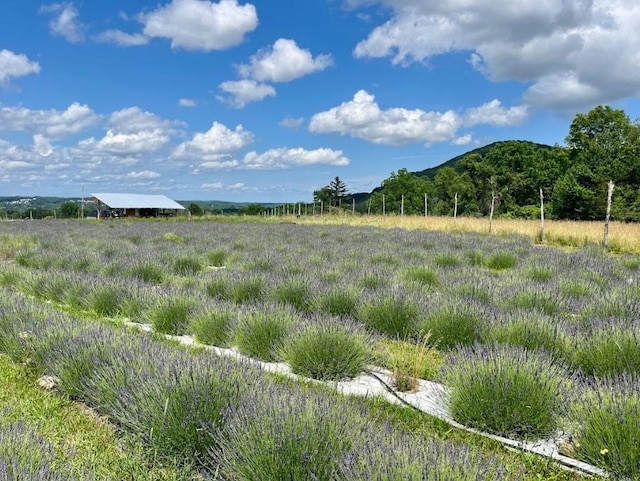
<point x="507" y="391"/>
<point x="260" y="332"/>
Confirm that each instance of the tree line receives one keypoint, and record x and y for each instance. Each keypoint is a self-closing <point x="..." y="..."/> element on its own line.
<point x="602" y="145"/>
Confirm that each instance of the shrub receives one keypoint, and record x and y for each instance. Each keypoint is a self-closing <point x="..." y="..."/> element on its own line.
<point x="247" y="289"/>
<point x="147" y="272"/>
<point x="372" y="280"/>
<point x="338" y="302"/>
<point x="170" y="315"/>
<point x="449" y="326"/>
<point x="474" y="292"/>
<point x="534" y="300"/>
<point x="216" y="257"/>
<point x="609" y="349"/>
<point x="575" y="289"/>
<point x="328" y="351"/>
<point x="531" y="332"/>
<point x="506" y="391"/>
<point x="476" y="258"/>
<point x="501" y="261"/>
<point x="218" y="288"/>
<point x="213" y="327"/>
<point x="608" y="416"/>
<point x="288" y="435"/>
<point x="447" y="260"/>
<point x="296" y="292"/>
<point x="422" y="276"/>
<point x="540" y="273"/>
<point x="260" y="333"/>
<point x="107" y="300"/>
<point x="185" y="266"/>
<point x="393" y="316"/>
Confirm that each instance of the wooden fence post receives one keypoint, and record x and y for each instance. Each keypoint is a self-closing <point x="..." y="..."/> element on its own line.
<point x="425" y="205"/>
<point x="608" y="216"/>
<point x="541" y="216"/>
<point x="384" y="207"/>
<point x="493" y="203"/>
<point x="402" y="206"/>
<point x="455" y="206"/>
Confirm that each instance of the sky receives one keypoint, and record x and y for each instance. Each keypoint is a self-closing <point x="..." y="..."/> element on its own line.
<point x="269" y="100"/>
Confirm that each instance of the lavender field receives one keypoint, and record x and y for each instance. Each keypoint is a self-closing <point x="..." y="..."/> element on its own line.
<point x="531" y="340"/>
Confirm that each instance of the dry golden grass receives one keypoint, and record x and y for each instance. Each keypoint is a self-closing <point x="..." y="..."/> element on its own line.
<point x="623" y="237"/>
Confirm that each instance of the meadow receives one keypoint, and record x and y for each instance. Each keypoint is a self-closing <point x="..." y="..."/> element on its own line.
<point x="532" y="340"/>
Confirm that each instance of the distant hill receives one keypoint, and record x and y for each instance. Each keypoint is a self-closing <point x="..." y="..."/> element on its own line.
<point x="431" y="172"/>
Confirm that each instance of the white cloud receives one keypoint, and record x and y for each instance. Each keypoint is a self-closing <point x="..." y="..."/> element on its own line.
<point x="283" y="62"/>
<point x="14" y="164"/>
<point x="223" y="186"/>
<point x="143" y="175"/>
<point x="134" y="119"/>
<point x="127" y="144"/>
<point x="362" y="118"/>
<point x="51" y="123"/>
<point x="42" y="145"/>
<point x="201" y="24"/>
<point x="242" y="92"/>
<point x="215" y="144"/>
<point x="291" y="122"/>
<point x="187" y="103"/>
<point x="283" y="158"/>
<point x="575" y="53"/>
<point x="15" y="65"/>
<point x="463" y="140"/>
<point x="122" y="39"/>
<point x="494" y="113"/>
<point x="65" y="23"/>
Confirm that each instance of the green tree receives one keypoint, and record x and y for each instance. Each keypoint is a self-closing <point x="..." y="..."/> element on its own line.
<point x="69" y="210"/>
<point x="401" y="183"/>
<point x="603" y="145"/>
<point x="252" y="209"/>
<point x="195" y="209"/>
<point x="333" y="193"/>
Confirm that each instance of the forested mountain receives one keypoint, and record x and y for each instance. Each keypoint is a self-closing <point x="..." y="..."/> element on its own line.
<point x="602" y="145"/>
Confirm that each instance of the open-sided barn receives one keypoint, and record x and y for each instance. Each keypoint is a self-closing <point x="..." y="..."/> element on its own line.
<point x="135" y="205"/>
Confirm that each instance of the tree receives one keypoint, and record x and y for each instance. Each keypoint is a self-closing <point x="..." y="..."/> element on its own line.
<point x="333" y="194"/>
<point x="252" y="209"/>
<point x="69" y="210"/>
<point x="402" y="183"/>
<point x="195" y="209"/>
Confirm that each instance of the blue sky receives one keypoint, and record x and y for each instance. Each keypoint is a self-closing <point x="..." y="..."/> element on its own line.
<point x="268" y="100"/>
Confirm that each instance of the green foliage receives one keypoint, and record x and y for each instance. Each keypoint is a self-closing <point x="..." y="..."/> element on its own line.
<point x="422" y="276"/>
<point x="171" y="315"/>
<point x="147" y="272"/>
<point x="195" y="209"/>
<point x="260" y="333"/>
<point x="69" y="210"/>
<point x="501" y="261"/>
<point x="449" y="327"/>
<point x="506" y="391"/>
<point x="338" y="302"/>
<point x="217" y="257"/>
<point x="249" y="289"/>
<point x="540" y="273"/>
<point x="186" y="266"/>
<point x="401" y="183"/>
<point x="329" y="351"/>
<point x="392" y="316"/>
<point x="447" y="260"/>
<point x="107" y="300"/>
<point x="609" y="350"/>
<point x="252" y="209"/>
<point x="213" y="327"/>
<point x="296" y="292"/>
<point x="609" y="426"/>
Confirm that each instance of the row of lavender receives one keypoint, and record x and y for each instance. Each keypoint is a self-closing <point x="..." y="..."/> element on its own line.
<point x="576" y="314"/>
<point x="225" y="417"/>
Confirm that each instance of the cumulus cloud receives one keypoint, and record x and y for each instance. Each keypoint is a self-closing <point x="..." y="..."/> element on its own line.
<point x="574" y="53"/>
<point x="223" y="186"/>
<point x="187" y="103"/>
<point x="283" y="62"/>
<point x="362" y="118"/>
<point x="15" y="65"/>
<point x="283" y="158"/>
<point x="127" y="144"/>
<point x="134" y="119"/>
<point x="291" y="122"/>
<point x="201" y="24"/>
<point x="143" y="175"/>
<point x="241" y="92"/>
<point x="122" y="39"/>
<point x="66" y="22"/>
<point x="493" y="113"/>
<point x="213" y="145"/>
<point x="42" y="145"/>
<point x="51" y="123"/>
<point x="279" y="159"/>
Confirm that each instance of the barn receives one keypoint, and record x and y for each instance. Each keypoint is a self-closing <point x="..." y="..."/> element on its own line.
<point x="135" y="205"/>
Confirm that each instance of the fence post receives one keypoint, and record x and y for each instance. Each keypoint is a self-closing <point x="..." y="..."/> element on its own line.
<point x="353" y="206"/>
<point x="493" y="202"/>
<point x="402" y="206"/>
<point x="369" y="207"/>
<point x="541" y="216"/>
<point x="425" y="205"/>
<point x="384" y="207"/>
<point x="455" y="206"/>
<point x="608" y="216"/>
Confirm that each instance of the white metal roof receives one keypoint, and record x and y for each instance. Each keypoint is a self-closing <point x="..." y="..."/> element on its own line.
<point x="137" y="201"/>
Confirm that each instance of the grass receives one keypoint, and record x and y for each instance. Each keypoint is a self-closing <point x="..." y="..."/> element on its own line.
<point x="213" y="327"/>
<point x="82" y="443"/>
<point x="260" y="333"/>
<point x="171" y="315"/>
<point x="449" y="327"/>
<point x="392" y="316"/>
